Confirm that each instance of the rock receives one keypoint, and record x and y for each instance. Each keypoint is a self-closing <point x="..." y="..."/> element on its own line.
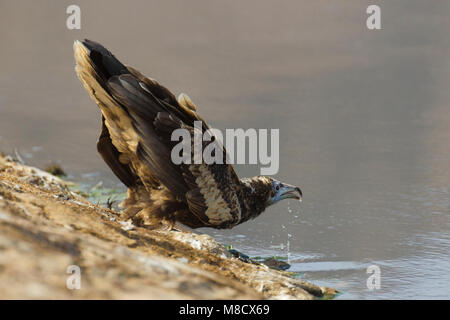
<point x="45" y="229"/>
<point x="276" y="264"/>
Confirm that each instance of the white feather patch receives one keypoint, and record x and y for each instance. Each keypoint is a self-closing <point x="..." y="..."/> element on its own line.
<point x="218" y="211"/>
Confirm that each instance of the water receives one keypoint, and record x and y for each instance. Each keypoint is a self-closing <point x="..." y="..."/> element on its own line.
<point x="364" y="118"/>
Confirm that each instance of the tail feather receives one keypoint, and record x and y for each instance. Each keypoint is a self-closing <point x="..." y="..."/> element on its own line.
<point x="95" y="81"/>
<point x="104" y="62"/>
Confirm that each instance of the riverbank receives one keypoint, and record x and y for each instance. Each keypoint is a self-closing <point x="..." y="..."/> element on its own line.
<point x="45" y="228"/>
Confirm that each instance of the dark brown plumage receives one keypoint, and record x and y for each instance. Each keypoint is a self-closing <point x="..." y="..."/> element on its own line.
<point x="138" y="117"/>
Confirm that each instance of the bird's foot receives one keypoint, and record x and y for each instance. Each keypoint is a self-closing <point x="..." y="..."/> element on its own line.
<point x="143" y="218"/>
<point x="152" y="222"/>
<point x="180" y="228"/>
<point x="169" y="225"/>
<point x="130" y="213"/>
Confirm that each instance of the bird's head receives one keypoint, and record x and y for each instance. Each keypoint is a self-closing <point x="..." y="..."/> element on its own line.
<point x="280" y="190"/>
<point x="264" y="191"/>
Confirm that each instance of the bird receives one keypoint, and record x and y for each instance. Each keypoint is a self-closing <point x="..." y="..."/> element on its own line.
<point x="137" y="117"/>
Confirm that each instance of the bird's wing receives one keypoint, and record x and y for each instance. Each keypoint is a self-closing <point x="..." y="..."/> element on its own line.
<point x="140" y="115"/>
<point x="118" y="140"/>
<point x="210" y="190"/>
<point x="111" y="156"/>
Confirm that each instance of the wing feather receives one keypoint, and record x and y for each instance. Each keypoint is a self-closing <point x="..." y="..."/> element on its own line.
<point x="150" y="112"/>
<point x="111" y="156"/>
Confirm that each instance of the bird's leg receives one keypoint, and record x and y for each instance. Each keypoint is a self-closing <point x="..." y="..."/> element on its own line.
<point x="130" y="212"/>
<point x="167" y="225"/>
<point x="157" y="219"/>
<point x="168" y="221"/>
<point x="150" y="219"/>
<point x="131" y="200"/>
<point x="137" y="200"/>
<point x="157" y="212"/>
<point x="180" y="228"/>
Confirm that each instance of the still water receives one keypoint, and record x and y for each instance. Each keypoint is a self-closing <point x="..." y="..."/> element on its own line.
<point x="364" y="118"/>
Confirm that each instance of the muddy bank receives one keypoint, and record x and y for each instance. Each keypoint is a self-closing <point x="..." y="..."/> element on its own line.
<point x="45" y="228"/>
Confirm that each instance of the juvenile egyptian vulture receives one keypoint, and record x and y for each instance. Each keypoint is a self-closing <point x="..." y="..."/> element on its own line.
<point x="138" y="118"/>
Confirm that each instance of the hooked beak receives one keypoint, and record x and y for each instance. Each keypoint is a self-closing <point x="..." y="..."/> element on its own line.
<point x="290" y="192"/>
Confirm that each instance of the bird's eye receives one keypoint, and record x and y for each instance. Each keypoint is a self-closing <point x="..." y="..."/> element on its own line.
<point x="277" y="187"/>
